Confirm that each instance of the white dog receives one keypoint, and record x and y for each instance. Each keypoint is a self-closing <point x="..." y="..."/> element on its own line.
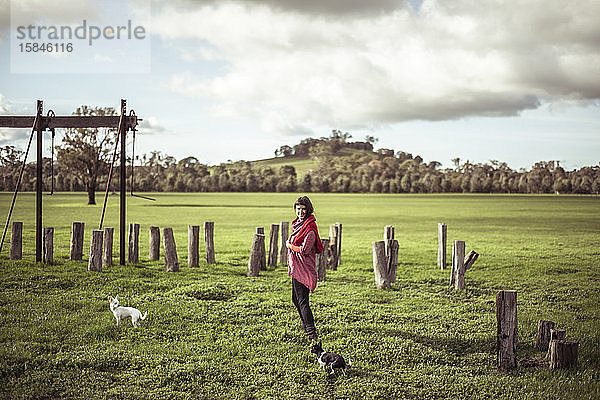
<point x="125" y="312"/>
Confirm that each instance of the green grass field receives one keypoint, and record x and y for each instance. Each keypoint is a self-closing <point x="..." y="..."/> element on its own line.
<point x="213" y="333"/>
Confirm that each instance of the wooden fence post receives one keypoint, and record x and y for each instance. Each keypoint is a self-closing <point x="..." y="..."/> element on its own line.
<point x="273" y="239"/>
<point x="506" y="333"/>
<point x="49" y="245"/>
<point x="256" y="254"/>
<point x="209" y="242"/>
<point x="457" y="274"/>
<point x="556" y="334"/>
<point x="154" y="239"/>
<point x="284" y="227"/>
<point x="170" y="250"/>
<point x="322" y="261"/>
<point x="95" y="260"/>
<point x="133" y="254"/>
<point x="542" y="339"/>
<point x="332" y="262"/>
<point x="77" y="241"/>
<point x="193" y="245"/>
<point x="381" y="265"/>
<point x="338" y="228"/>
<point x="442" y="234"/>
<point x="107" y="247"/>
<point x="563" y="353"/>
<point x="388" y="236"/>
<point x="470" y="259"/>
<point x="16" y="241"/>
<point x="262" y="248"/>
<point x="392" y="259"/>
<point x="391" y="251"/>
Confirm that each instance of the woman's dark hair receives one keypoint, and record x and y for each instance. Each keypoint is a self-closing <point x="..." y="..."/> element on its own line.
<point x="304" y="201"/>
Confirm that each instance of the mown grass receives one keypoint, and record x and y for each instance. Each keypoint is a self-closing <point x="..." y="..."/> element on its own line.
<point x="213" y="333"/>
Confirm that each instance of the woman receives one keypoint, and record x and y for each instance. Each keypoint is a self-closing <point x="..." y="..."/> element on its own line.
<point x="304" y="243"/>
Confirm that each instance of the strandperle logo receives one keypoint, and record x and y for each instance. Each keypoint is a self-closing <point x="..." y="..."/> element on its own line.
<point x="74" y="36"/>
<point x="81" y="32"/>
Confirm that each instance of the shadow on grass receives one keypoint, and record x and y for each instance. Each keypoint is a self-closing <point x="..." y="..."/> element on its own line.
<point x="454" y="345"/>
<point x="216" y="205"/>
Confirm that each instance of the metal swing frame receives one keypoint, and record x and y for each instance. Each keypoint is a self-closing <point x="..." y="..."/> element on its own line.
<point x="39" y="124"/>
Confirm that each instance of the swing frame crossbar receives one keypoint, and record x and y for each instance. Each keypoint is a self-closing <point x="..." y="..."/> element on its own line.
<point x="40" y="123"/>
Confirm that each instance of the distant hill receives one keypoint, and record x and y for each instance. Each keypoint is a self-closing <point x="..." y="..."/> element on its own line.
<point x="302" y="163"/>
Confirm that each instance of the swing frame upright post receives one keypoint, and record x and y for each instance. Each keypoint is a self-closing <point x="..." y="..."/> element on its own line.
<point x="38" y="185"/>
<point x="123" y="182"/>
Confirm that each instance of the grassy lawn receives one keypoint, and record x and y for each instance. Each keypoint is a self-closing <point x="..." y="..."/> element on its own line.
<point x="213" y="333"/>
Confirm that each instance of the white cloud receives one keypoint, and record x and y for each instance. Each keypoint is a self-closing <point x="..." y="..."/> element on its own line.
<point x="4" y="105"/>
<point x="151" y="125"/>
<point x="103" y="59"/>
<point x="296" y="66"/>
<point x="58" y="11"/>
<point x="4" y="19"/>
<point x="13" y="135"/>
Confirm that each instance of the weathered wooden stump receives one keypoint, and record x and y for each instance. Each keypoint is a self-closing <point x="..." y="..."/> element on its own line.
<point x="332" y="256"/>
<point x="563" y="353"/>
<point x="284" y="227"/>
<point x="322" y="261"/>
<point x="385" y="265"/>
<point x="338" y="228"/>
<point x="273" y="239"/>
<point x="193" y="245"/>
<point x="256" y="254"/>
<point x="388" y="235"/>
<point x="262" y="248"/>
<point x="380" y="265"/>
<point x="170" y="250"/>
<point x="77" y="241"/>
<point x="16" y="241"/>
<point x="154" y="243"/>
<point x="442" y="235"/>
<point x="470" y="259"/>
<point x="556" y="334"/>
<point x="95" y="260"/>
<point x="506" y="333"/>
<point x="391" y="251"/>
<point x="209" y="242"/>
<point x="542" y="339"/>
<point x="332" y="263"/>
<point x="107" y="247"/>
<point x="48" y="245"/>
<point x="392" y="259"/>
<point x="457" y="276"/>
<point x="133" y="250"/>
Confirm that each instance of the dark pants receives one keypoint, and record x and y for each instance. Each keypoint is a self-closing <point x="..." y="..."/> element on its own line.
<point x="300" y="299"/>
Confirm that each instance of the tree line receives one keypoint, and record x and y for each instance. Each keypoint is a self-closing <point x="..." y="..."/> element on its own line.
<point x="83" y="161"/>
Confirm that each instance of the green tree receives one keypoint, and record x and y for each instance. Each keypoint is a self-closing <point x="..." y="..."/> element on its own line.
<point x="85" y="152"/>
<point x="10" y="162"/>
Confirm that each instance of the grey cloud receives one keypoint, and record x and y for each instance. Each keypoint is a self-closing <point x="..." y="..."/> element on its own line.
<point x="11" y="136"/>
<point x="458" y="106"/>
<point x="318" y="7"/>
<point x="451" y="60"/>
<point x="150" y="126"/>
<point x="5" y="106"/>
<point x="4" y="19"/>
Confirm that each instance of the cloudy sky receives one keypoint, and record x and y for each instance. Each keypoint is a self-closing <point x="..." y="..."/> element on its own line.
<point x="515" y="81"/>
